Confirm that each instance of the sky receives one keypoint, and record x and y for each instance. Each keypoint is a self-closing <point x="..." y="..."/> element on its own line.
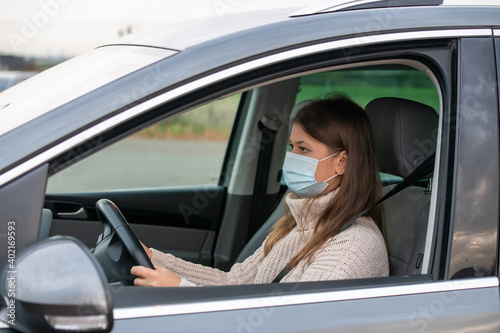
<point x="65" y="28"/>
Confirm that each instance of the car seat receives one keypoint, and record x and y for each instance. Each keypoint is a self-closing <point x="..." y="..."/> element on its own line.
<point x="404" y="134"/>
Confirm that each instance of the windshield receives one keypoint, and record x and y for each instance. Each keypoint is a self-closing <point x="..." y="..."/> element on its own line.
<point x="71" y="79"/>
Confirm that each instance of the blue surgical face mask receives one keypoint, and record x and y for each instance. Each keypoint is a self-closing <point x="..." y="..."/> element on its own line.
<point x="299" y="171"/>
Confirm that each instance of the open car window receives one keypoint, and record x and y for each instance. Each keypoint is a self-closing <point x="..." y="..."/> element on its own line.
<point x="186" y="149"/>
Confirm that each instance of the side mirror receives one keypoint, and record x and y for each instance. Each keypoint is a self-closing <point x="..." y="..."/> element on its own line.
<point x="55" y="285"/>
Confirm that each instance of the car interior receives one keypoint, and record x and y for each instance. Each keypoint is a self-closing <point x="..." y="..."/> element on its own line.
<point x="226" y="218"/>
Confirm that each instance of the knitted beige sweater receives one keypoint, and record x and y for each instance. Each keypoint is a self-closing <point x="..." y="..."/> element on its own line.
<point x="357" y="252"/>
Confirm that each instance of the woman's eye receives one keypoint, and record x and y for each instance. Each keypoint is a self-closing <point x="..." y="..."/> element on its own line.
<point x="302" y="149"/>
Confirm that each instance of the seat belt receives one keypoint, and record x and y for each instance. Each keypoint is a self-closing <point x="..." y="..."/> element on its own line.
<point x="419" y="173"/>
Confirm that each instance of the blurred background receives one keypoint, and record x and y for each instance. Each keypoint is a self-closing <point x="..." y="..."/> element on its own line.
<point x="38" y="34"/>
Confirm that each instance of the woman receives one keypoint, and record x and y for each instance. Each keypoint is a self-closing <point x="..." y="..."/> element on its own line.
<point x="333" y="175"/>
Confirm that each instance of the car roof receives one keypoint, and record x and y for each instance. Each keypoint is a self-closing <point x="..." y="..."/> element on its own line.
<point x="180" y="36"/>
<point x="329" y="6"/>
<point x="192" y="33"/>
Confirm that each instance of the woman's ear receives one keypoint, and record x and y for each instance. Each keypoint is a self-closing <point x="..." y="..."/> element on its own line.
<point x="341" y="162"/>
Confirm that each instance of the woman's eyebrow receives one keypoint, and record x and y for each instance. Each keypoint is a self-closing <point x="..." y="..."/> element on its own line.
<point x="301" y="143"/>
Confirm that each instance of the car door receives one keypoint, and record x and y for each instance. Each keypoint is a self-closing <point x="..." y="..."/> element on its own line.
<point x="459" y="259"/>
<point x="399" y="304"/>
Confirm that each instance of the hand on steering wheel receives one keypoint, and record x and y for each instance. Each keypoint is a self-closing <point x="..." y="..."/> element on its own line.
<point x="161" y="277"/>
<point x="118" y="248"/>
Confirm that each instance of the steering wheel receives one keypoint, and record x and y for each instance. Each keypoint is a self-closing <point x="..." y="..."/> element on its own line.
<point x="118" y="248"/>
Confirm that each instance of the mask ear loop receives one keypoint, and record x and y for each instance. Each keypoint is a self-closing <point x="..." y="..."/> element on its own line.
<point x="324" y="181"/>
<point x="336" y="174"/>
<point x="328" y="157"/>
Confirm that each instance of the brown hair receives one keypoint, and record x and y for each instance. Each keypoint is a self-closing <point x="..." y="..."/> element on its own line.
<point x="340" y="124"/>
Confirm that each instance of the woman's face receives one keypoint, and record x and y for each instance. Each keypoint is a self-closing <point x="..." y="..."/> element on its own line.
<point x="303" y="144"/>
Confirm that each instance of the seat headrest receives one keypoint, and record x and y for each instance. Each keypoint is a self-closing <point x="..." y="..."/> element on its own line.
<point x="296" y="109"/>
<point x="404" y="133"/>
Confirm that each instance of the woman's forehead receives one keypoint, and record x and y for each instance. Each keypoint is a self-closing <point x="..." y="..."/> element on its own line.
<point x="299" y="135"/>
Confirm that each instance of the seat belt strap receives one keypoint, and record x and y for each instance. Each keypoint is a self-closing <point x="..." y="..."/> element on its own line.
<point x="281" y="274"/>
<point x="259" y="211"/>
<point x="419" y="173"/>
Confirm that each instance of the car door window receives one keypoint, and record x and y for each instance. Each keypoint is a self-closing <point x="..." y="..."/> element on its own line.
<point x="186" y="149"/>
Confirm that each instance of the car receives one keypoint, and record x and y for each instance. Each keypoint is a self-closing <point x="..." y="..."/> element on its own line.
<point x="11" y="78"/>
<point x="184" y="131"/>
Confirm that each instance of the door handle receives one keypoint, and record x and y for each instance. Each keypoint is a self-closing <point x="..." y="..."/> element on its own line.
<point x="80" y="214"/>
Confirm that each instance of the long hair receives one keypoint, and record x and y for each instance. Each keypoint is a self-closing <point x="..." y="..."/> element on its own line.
<point x="340" y="124"/>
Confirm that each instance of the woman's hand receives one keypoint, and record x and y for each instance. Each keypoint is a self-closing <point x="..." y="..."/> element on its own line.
<point x="148" y="251"/>
<point x="161" y="277"/>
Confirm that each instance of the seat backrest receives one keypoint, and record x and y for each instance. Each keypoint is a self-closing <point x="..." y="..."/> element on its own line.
<point x="405" y="233"/>
<point x="404" y="135"/>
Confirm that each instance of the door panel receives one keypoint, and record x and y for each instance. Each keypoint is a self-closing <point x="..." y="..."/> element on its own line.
<point x="181" y="221"/>
<point x="373" y="305"/>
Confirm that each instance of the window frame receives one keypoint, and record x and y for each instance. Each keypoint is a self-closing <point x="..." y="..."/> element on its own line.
<point x="414" y="51"/>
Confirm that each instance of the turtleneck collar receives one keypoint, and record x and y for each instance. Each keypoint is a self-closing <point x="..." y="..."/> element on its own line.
<point x="299" y="207"/>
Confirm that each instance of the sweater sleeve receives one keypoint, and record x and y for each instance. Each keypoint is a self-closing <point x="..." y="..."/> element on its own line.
<point x="194" y="274"/>
<point x="354" y="254"/>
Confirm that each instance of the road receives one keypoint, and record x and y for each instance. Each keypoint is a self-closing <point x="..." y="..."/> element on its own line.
<point x="142" y="163"/>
